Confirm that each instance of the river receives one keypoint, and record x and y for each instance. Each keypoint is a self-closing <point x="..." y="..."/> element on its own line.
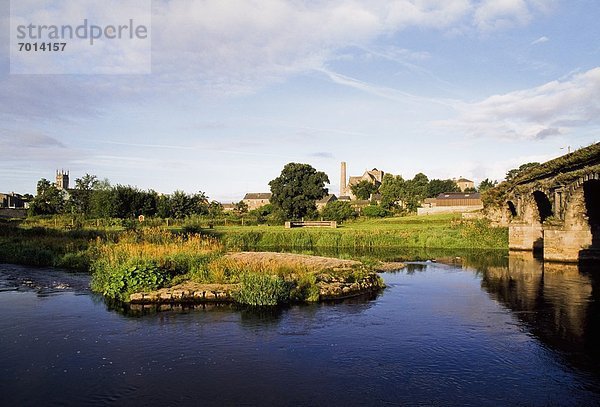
<point x="479" y="330"/>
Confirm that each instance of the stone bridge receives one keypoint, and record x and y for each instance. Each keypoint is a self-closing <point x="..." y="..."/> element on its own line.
<point x="554" y="209"/>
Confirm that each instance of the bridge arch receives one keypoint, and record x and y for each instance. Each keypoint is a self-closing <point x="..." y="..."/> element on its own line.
<point x="591" y="195"/>
<point x="512" y="209"/>
<point x="543" y="204"/>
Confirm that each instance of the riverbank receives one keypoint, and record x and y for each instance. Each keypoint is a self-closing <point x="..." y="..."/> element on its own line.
<point x="39" y="243"/>
<point x="146" y="260"/>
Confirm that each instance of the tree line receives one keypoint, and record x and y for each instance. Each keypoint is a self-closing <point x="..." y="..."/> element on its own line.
<point x="294" y="195"/>
<point x="95" y="198"/>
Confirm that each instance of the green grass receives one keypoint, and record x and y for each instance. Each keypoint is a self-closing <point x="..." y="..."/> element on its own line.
<point x="436" y="231"/>
<point x="47" y="247"/>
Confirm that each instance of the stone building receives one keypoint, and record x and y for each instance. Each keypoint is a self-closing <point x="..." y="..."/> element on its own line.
<point x="13" y="201"/>
<point x="464" y="184"/>
<point x="374" y="176"/>
<point x="451" y="202"/>
<point x="255" y="200"/>
<point x="228" y="207"/>
<point x="62" y="180"/>
<point x="321" y="203"/>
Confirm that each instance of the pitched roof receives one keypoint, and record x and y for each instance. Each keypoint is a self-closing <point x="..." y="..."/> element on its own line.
<point x="464" y="180"/>
<point x="258" y="195"/>
<point x="327" y="198"/>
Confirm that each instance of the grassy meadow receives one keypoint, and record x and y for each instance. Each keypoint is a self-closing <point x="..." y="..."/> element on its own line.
<point x="435" y="231"/>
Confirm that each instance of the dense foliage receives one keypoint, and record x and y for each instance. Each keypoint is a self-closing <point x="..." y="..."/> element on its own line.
<point x="363" y="189"/>
<point x="375" y="211"/>
<point x="338" y="211"/>
<point x="48" y="200"/>
<point x="295" y="191"/>
<point x="98" y="199"/>
<point x="147" y="259"/>
<point x="439" y="186"/>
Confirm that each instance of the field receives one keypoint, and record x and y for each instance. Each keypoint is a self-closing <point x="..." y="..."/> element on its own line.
<point x="435" y="231"/>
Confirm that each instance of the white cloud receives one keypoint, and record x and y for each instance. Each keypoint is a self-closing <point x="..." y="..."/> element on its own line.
<point x="238" y="46"/>
<point x="554" y="108"/>
<point x="540" y="40"/>
<point x="490" y="15"/>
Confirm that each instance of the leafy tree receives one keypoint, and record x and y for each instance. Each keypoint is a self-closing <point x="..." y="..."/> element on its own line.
<point x="49" y="199"/>
<point x="163" y="207"/>
<point x="149" y="201"/>
<point x="415" y="190"/>
<point x="262" y="214"/>
<point x="392" y="191"/>
<point x="438" y="186"/>
<point x="512" y="174"/>
<point x="215" y="209"/>
<point x="180" y="204"/>
<point x="241" y="207"/>
<point x="487" y="184"/>
<point x="199" y="204"/>
<point x="338" y="211"/>
<point x="363" y="189"/>
<point x="128" y="201"/>
<point x="295" y="191"/>
<point x="375" y="211"/>
<point x="102" y="200"/>
<point x="80" y="199"/>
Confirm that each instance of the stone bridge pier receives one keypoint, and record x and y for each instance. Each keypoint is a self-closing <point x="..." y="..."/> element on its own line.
<point x="560" y="222"/>
<point x="553" y="209"/>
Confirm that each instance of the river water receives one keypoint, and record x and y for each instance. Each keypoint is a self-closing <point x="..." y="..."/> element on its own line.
<point x="479" y="330"/>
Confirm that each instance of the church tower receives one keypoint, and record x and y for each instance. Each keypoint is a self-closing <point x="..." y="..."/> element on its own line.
<point x="62" y="179"/>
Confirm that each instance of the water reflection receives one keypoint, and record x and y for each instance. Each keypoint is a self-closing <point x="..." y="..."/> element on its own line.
<point x="557" y="303"/>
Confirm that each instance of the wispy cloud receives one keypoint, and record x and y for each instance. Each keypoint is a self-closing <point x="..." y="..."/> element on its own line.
<point x="540" y="40"/>
<point x="32" y="146"/>
<point x="490" y="15"/>
<point x="383" y="91"/>
<point x="551" y="109"/>
<point x="322" y="154"/>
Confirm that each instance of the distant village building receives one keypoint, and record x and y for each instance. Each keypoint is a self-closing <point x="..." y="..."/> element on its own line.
<point x="451" y="202"/>
<point x="321" y="203"/>
<point x="464" y="184"/>
<point x="374" y="176"/>
<point x="255" y="200"/>
<point x="13" y="201"/>
<point x="228" y="207"/>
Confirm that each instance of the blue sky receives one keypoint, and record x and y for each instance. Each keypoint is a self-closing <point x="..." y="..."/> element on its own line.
<point x="239" y="88"/>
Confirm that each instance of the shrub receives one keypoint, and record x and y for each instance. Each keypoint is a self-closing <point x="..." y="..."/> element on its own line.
<point x="338" y="211"/>
<point x="119" y="282"/>
<point x="375" y="211"/>
<point x="148" y="259"/>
